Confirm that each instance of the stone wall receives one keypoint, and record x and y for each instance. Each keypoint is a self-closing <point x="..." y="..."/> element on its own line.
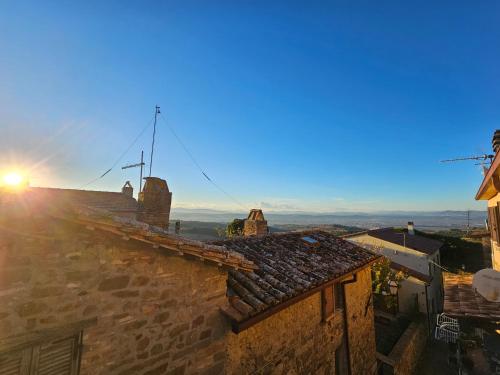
<point x="156" y="313"/>
<point x="293" y="341"/>
<point x="407" y="350"/>
<point x="404" y="356"/>
<point x="296" y="341"/>
<point x="360" y="321"/>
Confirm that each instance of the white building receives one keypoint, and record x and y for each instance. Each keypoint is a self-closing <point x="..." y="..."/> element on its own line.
<point x="418" y="256"/>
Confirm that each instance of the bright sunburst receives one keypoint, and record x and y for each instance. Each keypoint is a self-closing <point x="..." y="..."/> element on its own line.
<point x="14" y="180"/>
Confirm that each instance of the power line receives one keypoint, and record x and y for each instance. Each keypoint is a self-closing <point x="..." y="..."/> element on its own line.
<point x="121" y="156"/>
<point x="195" y="162"/>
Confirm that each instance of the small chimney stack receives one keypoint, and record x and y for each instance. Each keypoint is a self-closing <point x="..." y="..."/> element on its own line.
<point x="495" y="142"/>
<point x="255" y="224"/>
<point x="154" y="203"/>
<point x="127" y="189"/>
<point x="411" y="228"/>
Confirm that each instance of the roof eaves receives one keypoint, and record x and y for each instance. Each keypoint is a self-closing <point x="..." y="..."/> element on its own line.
<point x="485" y="191"/>
<point x="127" y="228"/>
<point x="241" y="325"/>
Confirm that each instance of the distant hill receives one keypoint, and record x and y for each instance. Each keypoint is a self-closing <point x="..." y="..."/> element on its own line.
<point x="208" y="231"/>
<point x="429" y="221"/>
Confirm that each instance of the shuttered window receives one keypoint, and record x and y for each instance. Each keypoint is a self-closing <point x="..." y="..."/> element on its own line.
<point x="339" y="296"/>
<point x="493" y="222"/>
<point x="57" y="357"/>
<point x="328" y="305"/>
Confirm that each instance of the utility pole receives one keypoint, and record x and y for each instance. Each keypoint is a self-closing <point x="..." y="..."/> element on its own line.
<point x="468" y="221"/>
<point x="157" y="112"/>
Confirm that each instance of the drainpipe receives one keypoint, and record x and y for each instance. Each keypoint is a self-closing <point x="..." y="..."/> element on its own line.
<point x="346" y="325"/>
<point x="427" y="308"/>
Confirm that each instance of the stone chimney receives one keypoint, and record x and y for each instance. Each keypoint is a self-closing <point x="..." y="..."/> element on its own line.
<point x="411" y="228"/>
<point x="154" y="203"/>
<point x="255" y="224"/>
<point x="127" y="189"/>
<point x="495" y="142"/>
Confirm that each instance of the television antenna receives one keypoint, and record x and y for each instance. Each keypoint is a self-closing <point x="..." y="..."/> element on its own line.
<point x="485" y="158"/>
<point x="141" y="164"/>
<point x="485" y="161"/>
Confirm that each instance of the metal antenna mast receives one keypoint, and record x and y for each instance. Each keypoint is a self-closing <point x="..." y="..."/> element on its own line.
<point x="141" y="164"/>
<point x="157" y="112"/>
<point x="480" y="157"/>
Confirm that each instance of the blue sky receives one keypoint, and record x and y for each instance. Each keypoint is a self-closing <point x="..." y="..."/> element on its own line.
<point x="286" y="105"/>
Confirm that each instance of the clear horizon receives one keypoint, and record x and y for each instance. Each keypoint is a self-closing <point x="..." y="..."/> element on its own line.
<point x="287" y="107"/>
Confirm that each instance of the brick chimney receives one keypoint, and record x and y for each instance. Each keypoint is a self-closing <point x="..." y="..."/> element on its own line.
<point x="154" y="203"/>
<point x="127" y="189"/>
<point x="411" y="228"/>
<point x="255" y="224"/>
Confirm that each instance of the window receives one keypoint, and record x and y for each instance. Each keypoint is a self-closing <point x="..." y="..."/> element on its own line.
<point x="56" y="357"/>
<point x="328" y="305"/>
<point x="493" y="223"/>
<point x="332" y="298"/>
<point x="339" y="296"/>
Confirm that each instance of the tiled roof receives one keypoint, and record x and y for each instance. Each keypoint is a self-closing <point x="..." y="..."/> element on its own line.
<point x="417" y="275"/>
<point x="462" y="301"/>
<point x="411" y="241"/>
<point x="111" y="201"/>
<point x="31" y="203"/>
<point x="289" y="264"/>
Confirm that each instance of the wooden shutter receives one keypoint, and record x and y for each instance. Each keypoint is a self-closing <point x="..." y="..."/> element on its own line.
<point x="56" y="357"/>
<point x="493" y="223"/>
<point x="327" y="302"/>
<point x="59" y="357"/>
<point x="16" y="363"/>
<point x="339" y="296"/>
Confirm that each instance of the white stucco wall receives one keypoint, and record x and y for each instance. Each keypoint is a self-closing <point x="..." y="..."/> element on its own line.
<point x="416" y="261"/>
<point x="495" y="247"/>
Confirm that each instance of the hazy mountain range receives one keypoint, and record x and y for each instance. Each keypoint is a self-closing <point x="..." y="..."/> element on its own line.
<point x="429" y="220"/>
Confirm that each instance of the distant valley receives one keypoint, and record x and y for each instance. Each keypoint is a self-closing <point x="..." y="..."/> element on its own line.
<point x="209" y="224"/>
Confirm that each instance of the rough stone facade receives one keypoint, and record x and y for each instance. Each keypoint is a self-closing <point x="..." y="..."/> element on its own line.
<point x="360" y="320"/>
<point x="155" y="313"/>
<point x="404" y="356"/>
<point x="297" y="341"/>
<point x="293" y="341"/>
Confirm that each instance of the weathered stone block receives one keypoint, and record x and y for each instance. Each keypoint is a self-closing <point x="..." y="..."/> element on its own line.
<point x="142" y="344"/>
<point x="47" y="291"/>
<point x="156" y="349"/>
<point x="162" y="317"/>
<point x="30" y="308"/>
<point x="126" y="293"/>
<point x="113" y="283"/>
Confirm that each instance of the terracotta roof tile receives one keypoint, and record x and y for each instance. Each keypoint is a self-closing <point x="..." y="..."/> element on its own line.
<point x="412" y="241"/>
<point x="31" y="202"/>
<point x="462" y="301"/>
<point x="289" y="264"/>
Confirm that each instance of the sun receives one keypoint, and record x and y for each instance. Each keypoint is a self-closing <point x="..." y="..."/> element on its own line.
<point x="14" y="180"/>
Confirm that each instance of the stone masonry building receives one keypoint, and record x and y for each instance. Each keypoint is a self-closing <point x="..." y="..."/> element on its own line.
<point x="94" y="291"/>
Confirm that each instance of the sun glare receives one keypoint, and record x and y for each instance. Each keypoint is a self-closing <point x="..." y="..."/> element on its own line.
<point x="13" y="180"/>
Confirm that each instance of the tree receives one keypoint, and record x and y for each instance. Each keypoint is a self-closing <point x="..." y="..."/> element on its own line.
<point x="235" y="228"/>
<point x="383" y="274"/>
